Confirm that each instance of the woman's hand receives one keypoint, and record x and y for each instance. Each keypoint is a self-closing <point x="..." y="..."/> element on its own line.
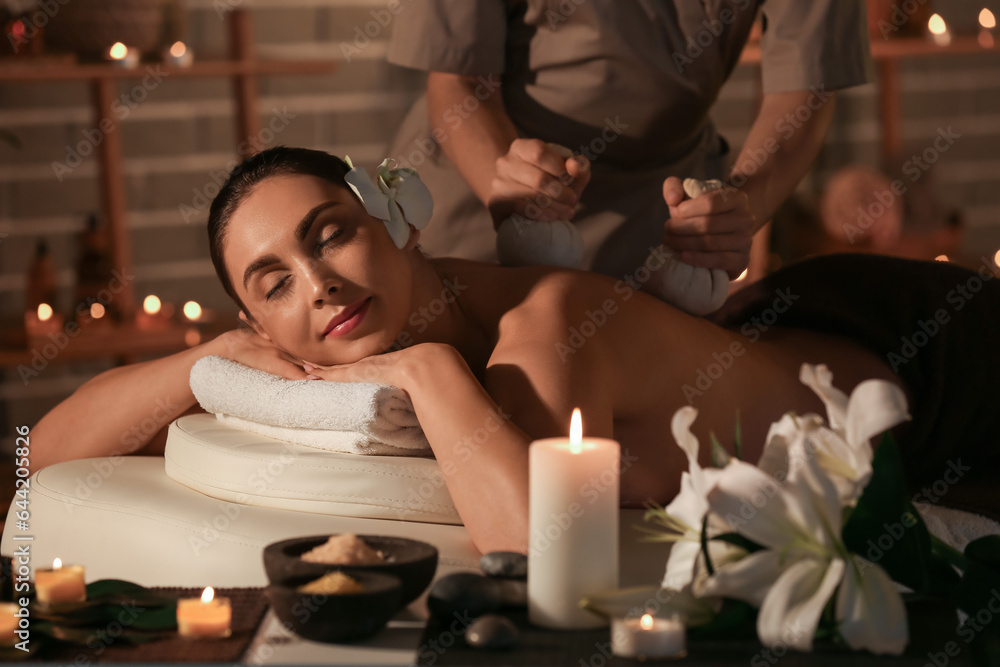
<point x="535" y="181"/>
<point x="714" y="230"/>
<point x="397" y="369"/>
<point x="250" y="349"/>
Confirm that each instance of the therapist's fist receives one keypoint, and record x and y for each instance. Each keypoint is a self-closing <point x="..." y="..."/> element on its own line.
<point x="714" y="230"/>
<point x="537" y="180"/>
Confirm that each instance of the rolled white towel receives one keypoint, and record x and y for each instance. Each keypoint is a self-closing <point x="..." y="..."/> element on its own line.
<point x="353" y="417"/>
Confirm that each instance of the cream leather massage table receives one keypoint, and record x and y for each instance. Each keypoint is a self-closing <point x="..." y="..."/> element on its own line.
<point x="201" y="515"/>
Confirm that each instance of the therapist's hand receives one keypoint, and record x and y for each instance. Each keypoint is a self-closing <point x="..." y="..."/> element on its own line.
<point x="714" y="230"/>
<point x="535" y="181"/>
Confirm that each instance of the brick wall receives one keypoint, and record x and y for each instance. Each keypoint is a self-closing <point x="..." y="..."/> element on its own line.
<point x="183" y="132"/>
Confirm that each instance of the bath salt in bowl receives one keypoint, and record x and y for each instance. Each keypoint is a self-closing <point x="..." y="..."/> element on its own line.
<point x="412" y="561"/>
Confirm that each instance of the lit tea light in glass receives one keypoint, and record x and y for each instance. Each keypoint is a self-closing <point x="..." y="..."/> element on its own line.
<point x="192" y="310"/>
<point x="60" y="583"/>
<point x="122" y="56"/>
<point x="987" y="21"/>
<point x="151" y="304"/>
<point x="97" y="310"/>
<point x="648" y="637"/>
<point x="44" y="312"/>
<point x="941" y="258"/>
<point x="939" y="30"/>
<point x="204" y="617"/>
<point x="42" y="321"/>
<point x="178" y="55"/>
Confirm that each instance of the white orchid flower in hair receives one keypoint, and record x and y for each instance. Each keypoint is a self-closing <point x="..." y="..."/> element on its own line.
<point x="398" y="198"/>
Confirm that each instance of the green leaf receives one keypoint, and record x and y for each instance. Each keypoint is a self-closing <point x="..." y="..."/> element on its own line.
<point x="720" y="457"/>
<point x="886" y="529"/>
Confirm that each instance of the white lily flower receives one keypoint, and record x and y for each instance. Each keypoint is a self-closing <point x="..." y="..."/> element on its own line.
<point x="399" y="198"/>
<point x="844" y="448"/>
<point x="686" y="563"/>
<point x="803" y="560"/>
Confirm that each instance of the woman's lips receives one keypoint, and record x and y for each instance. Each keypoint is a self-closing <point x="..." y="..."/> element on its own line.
<point x="347" y="319"/>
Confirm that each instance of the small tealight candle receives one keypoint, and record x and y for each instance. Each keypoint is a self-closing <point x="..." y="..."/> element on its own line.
<point x="42" y="321"/>
<point x="60" y="583"/>
<point x="178" y="55"/>
<point x="192" y="311"/>
<point x="8" y="623"/>
<point x="648" y="637"/>
<point x="939" y="30"/>
<point x="120" y="55"/>
<point x="204" y="617"/>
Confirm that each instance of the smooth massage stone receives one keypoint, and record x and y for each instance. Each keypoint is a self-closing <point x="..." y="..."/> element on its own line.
<point x="464" y="593"/>
<point x="513" y="592"/>
<point x="507" y="564"/>
<point x="491" y="632"/>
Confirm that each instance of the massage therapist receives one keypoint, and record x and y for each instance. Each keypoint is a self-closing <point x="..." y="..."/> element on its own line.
<point x="628" y="85"/>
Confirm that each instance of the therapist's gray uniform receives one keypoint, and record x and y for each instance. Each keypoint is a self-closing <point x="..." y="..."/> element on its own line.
<point x="628" y="82"/>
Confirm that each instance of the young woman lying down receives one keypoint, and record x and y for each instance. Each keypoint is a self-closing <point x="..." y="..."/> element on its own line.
<point x="329" y="296"/>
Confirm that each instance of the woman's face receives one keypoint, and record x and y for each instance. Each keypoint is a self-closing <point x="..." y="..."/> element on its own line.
<point x="321" y="278"/>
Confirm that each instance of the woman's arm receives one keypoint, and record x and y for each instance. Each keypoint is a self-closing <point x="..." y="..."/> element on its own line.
<point x="127" y="409"/>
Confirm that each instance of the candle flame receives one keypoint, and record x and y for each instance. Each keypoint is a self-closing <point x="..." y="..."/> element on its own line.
<point x="44" y="311"/>
<point x="192" y="310"/>
<point x="96" y="311"/>
<point x="151" y="304"/>
<point x="178" y="49"/>
<point x="576" y="432"/>
<point x="208" y="595"/>
<point x="118" y="51"/>
<point x="57" y="564"/>
<point x="937" y="25"/>
<point x="646" y="622"/>
<point x="996" y="258"/>
<point x="987" y="20"/>
<point x="941" y="258"/>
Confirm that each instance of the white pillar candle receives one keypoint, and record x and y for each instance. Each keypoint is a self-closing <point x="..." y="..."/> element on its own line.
<point x="573" y="526"/>
<point x="648" y="637"/>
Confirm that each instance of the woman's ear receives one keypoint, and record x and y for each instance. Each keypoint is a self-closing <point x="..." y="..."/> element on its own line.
<point x="253" y="325"/>
<point x="411" y="243"/>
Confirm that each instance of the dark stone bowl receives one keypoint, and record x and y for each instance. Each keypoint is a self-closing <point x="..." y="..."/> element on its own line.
<point x="336" y="617"/>
<point x="412" y="561"/>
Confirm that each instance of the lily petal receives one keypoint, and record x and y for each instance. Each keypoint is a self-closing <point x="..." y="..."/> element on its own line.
<point x="399" y="231"/>
<point x="414" y="199"/>
<point x="375" y="203"/>
<point x="819" y="501"/>
<point x="820" y="380"/>
<point x="875" y="406"/>
<point x="792" y="608"/>
<point x="870" y="610"/>
<point x="748" y="579"/>
<point x="755" y="505"/>
<point x="680" y="427"/>
<point x="681" y="564"/>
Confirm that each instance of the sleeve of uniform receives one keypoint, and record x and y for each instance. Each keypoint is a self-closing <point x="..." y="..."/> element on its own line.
<point x="821" y="43"/>
<point x="456" y="36"/>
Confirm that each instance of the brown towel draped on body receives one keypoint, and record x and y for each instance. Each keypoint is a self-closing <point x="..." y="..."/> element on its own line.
<point x="937" y="326"/>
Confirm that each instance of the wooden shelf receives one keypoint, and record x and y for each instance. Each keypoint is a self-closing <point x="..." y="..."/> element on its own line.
<point x="103" y="341"/>
<point x="904" y="47"/>
<point x="242" y="68"/>
<point x="37" y="73"/>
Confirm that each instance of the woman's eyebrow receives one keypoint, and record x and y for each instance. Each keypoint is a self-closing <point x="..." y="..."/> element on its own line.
<point x="301" y="230"/>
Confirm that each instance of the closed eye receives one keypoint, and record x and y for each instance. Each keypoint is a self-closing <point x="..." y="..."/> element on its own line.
<point x="277" y="288"/>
